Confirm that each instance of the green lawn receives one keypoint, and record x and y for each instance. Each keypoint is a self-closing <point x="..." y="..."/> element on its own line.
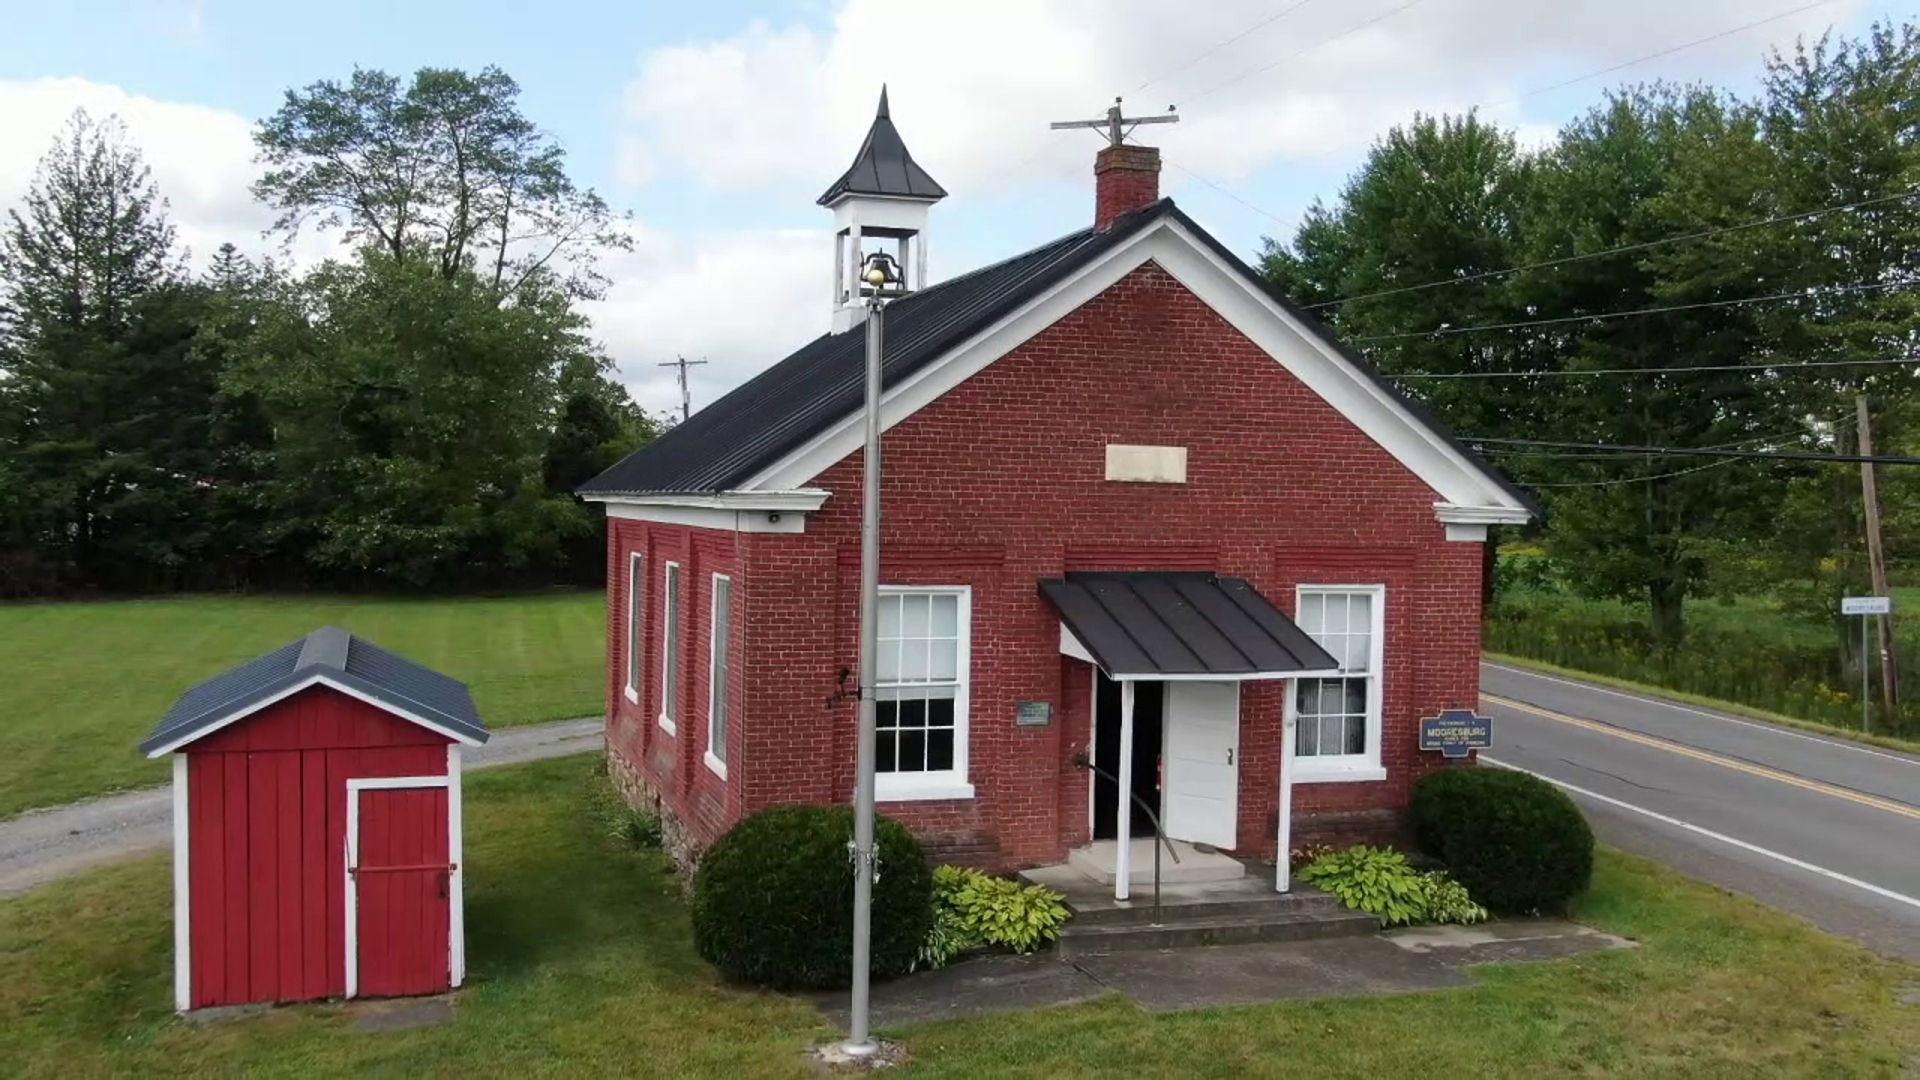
<point x="83" y="682"/>
<point x="582" y="965"/>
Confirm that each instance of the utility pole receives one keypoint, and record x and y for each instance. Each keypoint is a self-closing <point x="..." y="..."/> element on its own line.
<point x="1115" y="126"/>
<point x="1877" y="562"/>
<point x="882" y="280"/>
<point x="686" y="399"/>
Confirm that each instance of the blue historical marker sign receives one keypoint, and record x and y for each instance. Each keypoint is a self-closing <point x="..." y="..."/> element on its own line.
<point x="1455" y="732"/>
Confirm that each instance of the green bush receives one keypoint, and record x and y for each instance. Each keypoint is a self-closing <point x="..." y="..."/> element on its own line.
<point x="1516" y="842"/>
<point x="1448" y="901"/>
<point x="773" y="899"/>
<point x="972" y="909"/>
<point x="1380" y="881"/>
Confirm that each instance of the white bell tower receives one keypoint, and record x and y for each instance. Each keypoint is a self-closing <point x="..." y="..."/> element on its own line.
<point x="879" y="204"/>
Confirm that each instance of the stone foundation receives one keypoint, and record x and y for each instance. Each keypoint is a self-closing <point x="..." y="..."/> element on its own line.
<point x="638" y="792"/>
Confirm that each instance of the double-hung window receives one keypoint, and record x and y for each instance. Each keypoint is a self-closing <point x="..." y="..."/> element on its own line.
<point x="1337" y="732"/>
<point x="719" y="668"/>
<point x="636" y="573"/>
<point x="921" y="715"/>
<point x="670" y="649"/>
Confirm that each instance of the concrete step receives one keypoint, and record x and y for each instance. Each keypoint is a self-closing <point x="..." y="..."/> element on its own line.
<point x="1078" y="940"/>
<point x="1099" y="862"/>
<point x="1139" y="910"/>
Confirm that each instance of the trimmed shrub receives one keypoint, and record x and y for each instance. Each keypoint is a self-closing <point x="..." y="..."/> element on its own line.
<point x="1516" y="842"/>
<point x="773" y="899"/>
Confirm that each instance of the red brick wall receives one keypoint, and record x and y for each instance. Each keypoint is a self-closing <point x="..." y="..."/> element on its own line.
<point x="1000" y="483"/>
<point x="672" y="766"/>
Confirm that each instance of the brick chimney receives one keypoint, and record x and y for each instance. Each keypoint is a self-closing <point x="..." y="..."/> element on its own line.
<point x="1125" y="178"/>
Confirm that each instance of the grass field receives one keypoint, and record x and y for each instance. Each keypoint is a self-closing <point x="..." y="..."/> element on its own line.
<point x="582" y="964"/>
<point x="84" y="682"/>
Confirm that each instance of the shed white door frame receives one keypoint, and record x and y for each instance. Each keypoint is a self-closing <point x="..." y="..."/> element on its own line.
<point x="182" y="896"/>
<point x="456" y="948"/>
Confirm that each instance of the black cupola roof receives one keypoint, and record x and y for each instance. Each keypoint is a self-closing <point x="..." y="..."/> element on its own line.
<point x="883" y="167"/>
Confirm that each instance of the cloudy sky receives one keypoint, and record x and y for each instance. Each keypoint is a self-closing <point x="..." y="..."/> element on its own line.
<point x="716" y="124"/>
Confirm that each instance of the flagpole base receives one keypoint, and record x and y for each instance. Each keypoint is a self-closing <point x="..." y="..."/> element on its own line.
<point x="871" y="1054"/>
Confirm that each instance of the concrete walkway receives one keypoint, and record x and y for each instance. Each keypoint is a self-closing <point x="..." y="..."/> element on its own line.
<point x="1168" y="980"/>
<point x="43" y="845"/>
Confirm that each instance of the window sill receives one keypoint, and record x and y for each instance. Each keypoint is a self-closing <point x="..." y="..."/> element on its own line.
<point x="632" y="695"/>
<point x="667" y="725"/>
<point x="1337" y="774"/>
<point x="920" y="791"/>
<point x="714" y="764"/>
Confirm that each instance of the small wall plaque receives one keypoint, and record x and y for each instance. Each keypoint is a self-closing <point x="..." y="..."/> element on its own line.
<point x="1033" y="714"/>
<point x="1456" y="732"/>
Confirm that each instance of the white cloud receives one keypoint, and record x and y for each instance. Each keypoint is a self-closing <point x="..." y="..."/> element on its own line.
<point x="201" y="157"/>
<point x="974" y="85"/>
<point x="738" y="300"/>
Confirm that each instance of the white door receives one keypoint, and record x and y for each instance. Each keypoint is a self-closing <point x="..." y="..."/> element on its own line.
<point x="1202" y="781"/>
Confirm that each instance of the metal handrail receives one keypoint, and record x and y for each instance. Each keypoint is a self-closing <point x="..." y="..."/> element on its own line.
<point x="1082" y="761"/>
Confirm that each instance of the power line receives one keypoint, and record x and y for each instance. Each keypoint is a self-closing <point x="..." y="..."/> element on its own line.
<point x="1802" y="294"/>
<point x="1652" y="371"/>
<point x="1705" y="451"/>
<point x="1224" y="191"/>
<point x="1621" y="250"/>
<point x="1610" y="456"/>
<point x="1262" y="24"/>
<point x="1617" y="481"/>
<point x="1349" y="31"/>
<point x="1669" y="51"/>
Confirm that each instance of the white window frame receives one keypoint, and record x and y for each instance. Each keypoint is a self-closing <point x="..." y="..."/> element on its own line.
<point x="716" y="688"/>
<point x="636" y="612"/>
<point x="669" y="645"/>
<point x="1346" y="768"/>
<point x="951" y="783"/>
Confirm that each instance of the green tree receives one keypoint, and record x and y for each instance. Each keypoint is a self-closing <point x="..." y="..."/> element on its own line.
<point x="411" y="415"/>
<point x="1843" y="120"/>
<point x="1651" y="164"/>
<point x="444" y="169"/>
<point x="103" y="405"/>
<point x="1436" y="200"/>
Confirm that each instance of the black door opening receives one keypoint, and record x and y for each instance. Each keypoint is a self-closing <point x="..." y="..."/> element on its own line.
<point x="1147" y="699"/>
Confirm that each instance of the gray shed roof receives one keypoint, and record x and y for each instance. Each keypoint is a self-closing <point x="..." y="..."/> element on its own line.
<point x="1148" y="625"/>
<point x="387" y="679"/>
<point x="883" y="167"/>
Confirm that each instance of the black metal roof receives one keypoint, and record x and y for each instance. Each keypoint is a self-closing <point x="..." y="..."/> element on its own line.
<point x="883" y="166"/>
<point x="1146" y="625"/>
<point x="772" y="414"/>
<point x="385" y="677"/>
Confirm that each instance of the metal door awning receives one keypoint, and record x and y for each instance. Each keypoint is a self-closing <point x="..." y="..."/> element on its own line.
<point x="1180" y="625"/>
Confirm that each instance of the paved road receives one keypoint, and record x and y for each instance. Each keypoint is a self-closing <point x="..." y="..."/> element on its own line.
<point x="1825" y="828"/>
<point x="42" y="845"/>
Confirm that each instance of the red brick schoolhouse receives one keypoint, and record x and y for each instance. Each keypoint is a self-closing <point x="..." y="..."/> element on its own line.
<point x="1145" y="525"/>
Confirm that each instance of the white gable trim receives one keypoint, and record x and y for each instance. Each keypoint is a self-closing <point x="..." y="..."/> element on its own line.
<point x="728" y="511"/>
<point x="383" y="706"/>
<point x="1453" y="476"/>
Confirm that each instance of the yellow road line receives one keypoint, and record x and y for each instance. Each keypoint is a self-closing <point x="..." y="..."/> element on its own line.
<point x="1671" y="747"/>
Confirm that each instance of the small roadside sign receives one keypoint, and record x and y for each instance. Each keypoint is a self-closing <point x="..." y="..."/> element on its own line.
<point x="1866" y="605"/>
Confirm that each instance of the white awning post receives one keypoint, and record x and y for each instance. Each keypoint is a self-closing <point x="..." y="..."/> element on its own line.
<point x="1283" y="861"/>
<point x="1123" y="815"/>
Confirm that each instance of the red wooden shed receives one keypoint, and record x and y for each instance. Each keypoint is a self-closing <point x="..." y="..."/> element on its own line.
<point x="316" y="826"/>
